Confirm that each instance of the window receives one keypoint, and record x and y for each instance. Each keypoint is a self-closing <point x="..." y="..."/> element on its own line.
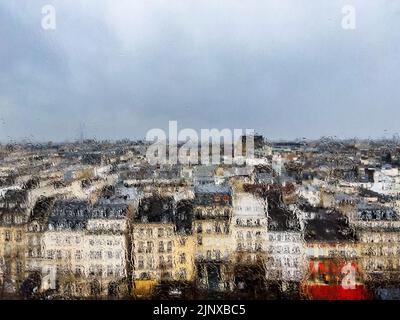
<point x="182" y="258"/>
<point x="150" y="263"/>
<point x="78" y="255"/>
<point x="161" y="262"/>
<point x="149" y="248"/>
<point x="109" y="254"/>
<point x="95" y="254"/>
<point x="160" y="232"/>
<point x="286" y="250"/>
<point x="169" y="261"/>
<point x="79" y="270"/>
<point x="19" y="267"/>
<point x="92" y="270"/>
<point x="161" y="247"/>
<point x="99" y="270"/>
<point x="98" y="254"/>
<point x="50" y="254"/>
<point x="8" y="235"/>
<point x="141" y="247"/>
<point x="109" y="271"/>
<point x="169" y="246"/>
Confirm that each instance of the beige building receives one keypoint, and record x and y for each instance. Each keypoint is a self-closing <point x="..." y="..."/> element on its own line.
<point x="14" y="204"/>
<point x="249" y="227"/>
<point x="214" y="247"/>
<point x="85" y="255"/>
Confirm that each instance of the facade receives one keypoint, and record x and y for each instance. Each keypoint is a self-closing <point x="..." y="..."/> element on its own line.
<point x="106" y="244"/>
<point x="14" y="208"/>
<point x="249" y="227"/>
<point x="334" y="270"/>
<point x="377" y="229"/>
<point x="214" y="247"/>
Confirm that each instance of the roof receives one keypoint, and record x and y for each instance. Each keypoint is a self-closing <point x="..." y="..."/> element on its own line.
<point x="109" y="211"/>
<point x="69" y="214"/>
<point x="207" y="171"/>
<point x="213" y="188"/>
<point x="155" y="209"/>
<point x="328" y="226"/>
<point x="281" y="219"/>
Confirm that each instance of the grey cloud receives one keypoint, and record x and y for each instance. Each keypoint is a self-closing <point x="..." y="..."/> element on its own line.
<point x="284" y="68"/>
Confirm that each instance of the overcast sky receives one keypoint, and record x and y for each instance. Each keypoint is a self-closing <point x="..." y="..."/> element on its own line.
<point x="115" y="69"/>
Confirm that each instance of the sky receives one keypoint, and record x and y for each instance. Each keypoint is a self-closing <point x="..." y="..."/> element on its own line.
<point x="116" y="69"/>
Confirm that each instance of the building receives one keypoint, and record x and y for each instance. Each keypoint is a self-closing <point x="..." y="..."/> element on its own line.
<point x="377" y="228"/>
<point x="14" y="214"/>
<point x="213" y="213"/>
<point x="105" y="249"/>
<point x="334" y="270"/>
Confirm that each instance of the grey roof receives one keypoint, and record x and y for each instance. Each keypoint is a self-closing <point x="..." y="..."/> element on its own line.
<point x="109" y="211"/>
<point x="282" y="219"/>
<point x="329" y="226"/>
<point x="213" y="188"/>
<point x="69" y="214"/>
<point x="155" y="209"/>
<point x="204" y="171"/>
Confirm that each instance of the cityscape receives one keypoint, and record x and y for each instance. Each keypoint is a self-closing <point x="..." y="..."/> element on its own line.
<point x="199" y="158"/>
<point x="296" y="220"/>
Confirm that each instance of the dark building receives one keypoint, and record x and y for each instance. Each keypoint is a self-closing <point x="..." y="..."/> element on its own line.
<point x="69" y="215"/>
<point x="155" y="209"/>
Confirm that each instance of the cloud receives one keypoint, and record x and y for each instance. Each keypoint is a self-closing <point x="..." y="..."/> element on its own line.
<point x="284" y="68"/>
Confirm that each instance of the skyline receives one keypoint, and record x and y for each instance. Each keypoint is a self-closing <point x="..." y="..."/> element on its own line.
<point x="286" y="69"/>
